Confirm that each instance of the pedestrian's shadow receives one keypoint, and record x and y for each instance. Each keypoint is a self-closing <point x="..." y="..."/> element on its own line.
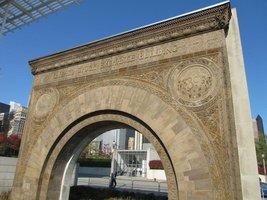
<point x="121" y="186"/>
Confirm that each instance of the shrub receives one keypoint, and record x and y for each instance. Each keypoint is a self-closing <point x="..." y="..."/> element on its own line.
<point x="14" y="141"/>
<point x="2" y="139"/>
<point x="4" y="195"/>
<point x="6" y="151"/>
<point x="90" y="193"/>
<point x="155" y="164"/>
<point x="95" y="163"/>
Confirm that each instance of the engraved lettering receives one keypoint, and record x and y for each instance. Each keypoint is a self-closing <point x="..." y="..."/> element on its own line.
<point x="113" y="63"/>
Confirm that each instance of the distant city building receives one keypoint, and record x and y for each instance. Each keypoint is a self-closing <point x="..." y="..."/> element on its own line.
<point x="130" y="150"/>
<point x="124" y="136"/>
<point x="4" y="118"/>
<point x="4" y="122"/>
<point x="141" y="142"/>
<point x="18" y="121"/>
<point x="131" y="153"/>
<point x="117" y="139"/>
<point x="260" y="124"/>
<point x="258" y="128"/>
<point x="138" y="141"/>
<point x="4" y="108"/>
<point x="14" y="106"/>
<point x="106" y="140"/>
<point x="131" y="143"/>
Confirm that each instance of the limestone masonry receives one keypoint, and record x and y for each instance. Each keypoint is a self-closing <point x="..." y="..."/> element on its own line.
<point x="180" y="82"/>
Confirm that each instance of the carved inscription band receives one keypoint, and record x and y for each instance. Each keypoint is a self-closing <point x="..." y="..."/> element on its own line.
<point x="139" y="57"/>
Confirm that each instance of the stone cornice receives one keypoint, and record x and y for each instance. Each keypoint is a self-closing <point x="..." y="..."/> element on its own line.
<point x="210" y="19"/>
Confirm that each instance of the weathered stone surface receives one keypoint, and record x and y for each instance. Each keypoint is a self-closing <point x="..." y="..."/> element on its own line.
<point x="170" y="81"/>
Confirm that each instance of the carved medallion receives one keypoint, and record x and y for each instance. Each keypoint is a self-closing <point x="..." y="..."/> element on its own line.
<point x="45" y="103"/>
<point x="193" y="83"/>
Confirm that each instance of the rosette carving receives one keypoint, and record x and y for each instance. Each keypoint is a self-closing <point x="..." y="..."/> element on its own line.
<point x="45" y="103"/>
<point x="194" y="83"/>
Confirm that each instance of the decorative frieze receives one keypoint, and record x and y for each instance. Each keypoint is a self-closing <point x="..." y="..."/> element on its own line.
<point x="210" y="19"/>
<point x="142" y="58"/>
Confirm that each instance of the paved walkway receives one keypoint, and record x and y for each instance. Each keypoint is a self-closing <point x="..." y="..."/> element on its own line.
<point x="127" y="183"/>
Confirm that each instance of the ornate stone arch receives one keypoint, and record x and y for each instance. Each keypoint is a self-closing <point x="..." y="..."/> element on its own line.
<point x="172" y="81"/>
<point x="97" y="123"/>
<point x="107" y="99"/>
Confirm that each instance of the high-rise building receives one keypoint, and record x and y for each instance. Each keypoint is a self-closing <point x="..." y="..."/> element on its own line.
<point x="117" y="138"/>
<point x="141" y="142"/>
<point x="4" y="122"/>
<point x="131" y="145"/>
<point x="14" y="106"/>
<point x="138" y="141"/>
<point x="259" y="122"/>
<point x="18" y="121"/>
<point x="258" y="128"/>
<point x="4" y="108"/>
<point x="4" y="118"/>
<point x="126" y="134"/>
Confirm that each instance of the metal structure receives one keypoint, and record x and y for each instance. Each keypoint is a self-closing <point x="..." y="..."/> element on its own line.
<point x="16" y="13"/>
<point x="129" y="162"/>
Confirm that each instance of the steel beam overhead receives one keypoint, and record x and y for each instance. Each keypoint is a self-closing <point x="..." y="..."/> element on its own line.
<point x="17" y="13"/>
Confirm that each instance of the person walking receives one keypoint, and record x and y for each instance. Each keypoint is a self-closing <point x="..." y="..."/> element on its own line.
<point x="113" y="181"/>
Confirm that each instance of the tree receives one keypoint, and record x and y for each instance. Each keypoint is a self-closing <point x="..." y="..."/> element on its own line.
<point x="261" y="149"/>
<point x="2" y="139"/>
<point x="14" y="141"/>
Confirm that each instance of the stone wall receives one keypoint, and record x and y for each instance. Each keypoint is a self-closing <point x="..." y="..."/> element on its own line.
<point x="156" y="174"/>
<point x="7" y="173"/>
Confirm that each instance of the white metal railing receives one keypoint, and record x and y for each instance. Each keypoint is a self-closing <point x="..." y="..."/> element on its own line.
<point x="127" y="183"/>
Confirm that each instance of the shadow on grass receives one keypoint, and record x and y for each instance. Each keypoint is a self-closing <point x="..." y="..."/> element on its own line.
<point x="89" y="193"/>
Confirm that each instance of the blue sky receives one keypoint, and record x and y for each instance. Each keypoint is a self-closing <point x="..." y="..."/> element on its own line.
<point x="96" y="19"/>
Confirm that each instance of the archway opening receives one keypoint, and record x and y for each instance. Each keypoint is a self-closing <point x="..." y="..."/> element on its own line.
<point x="120" y="162"/>
<point x="81" y="133"/>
